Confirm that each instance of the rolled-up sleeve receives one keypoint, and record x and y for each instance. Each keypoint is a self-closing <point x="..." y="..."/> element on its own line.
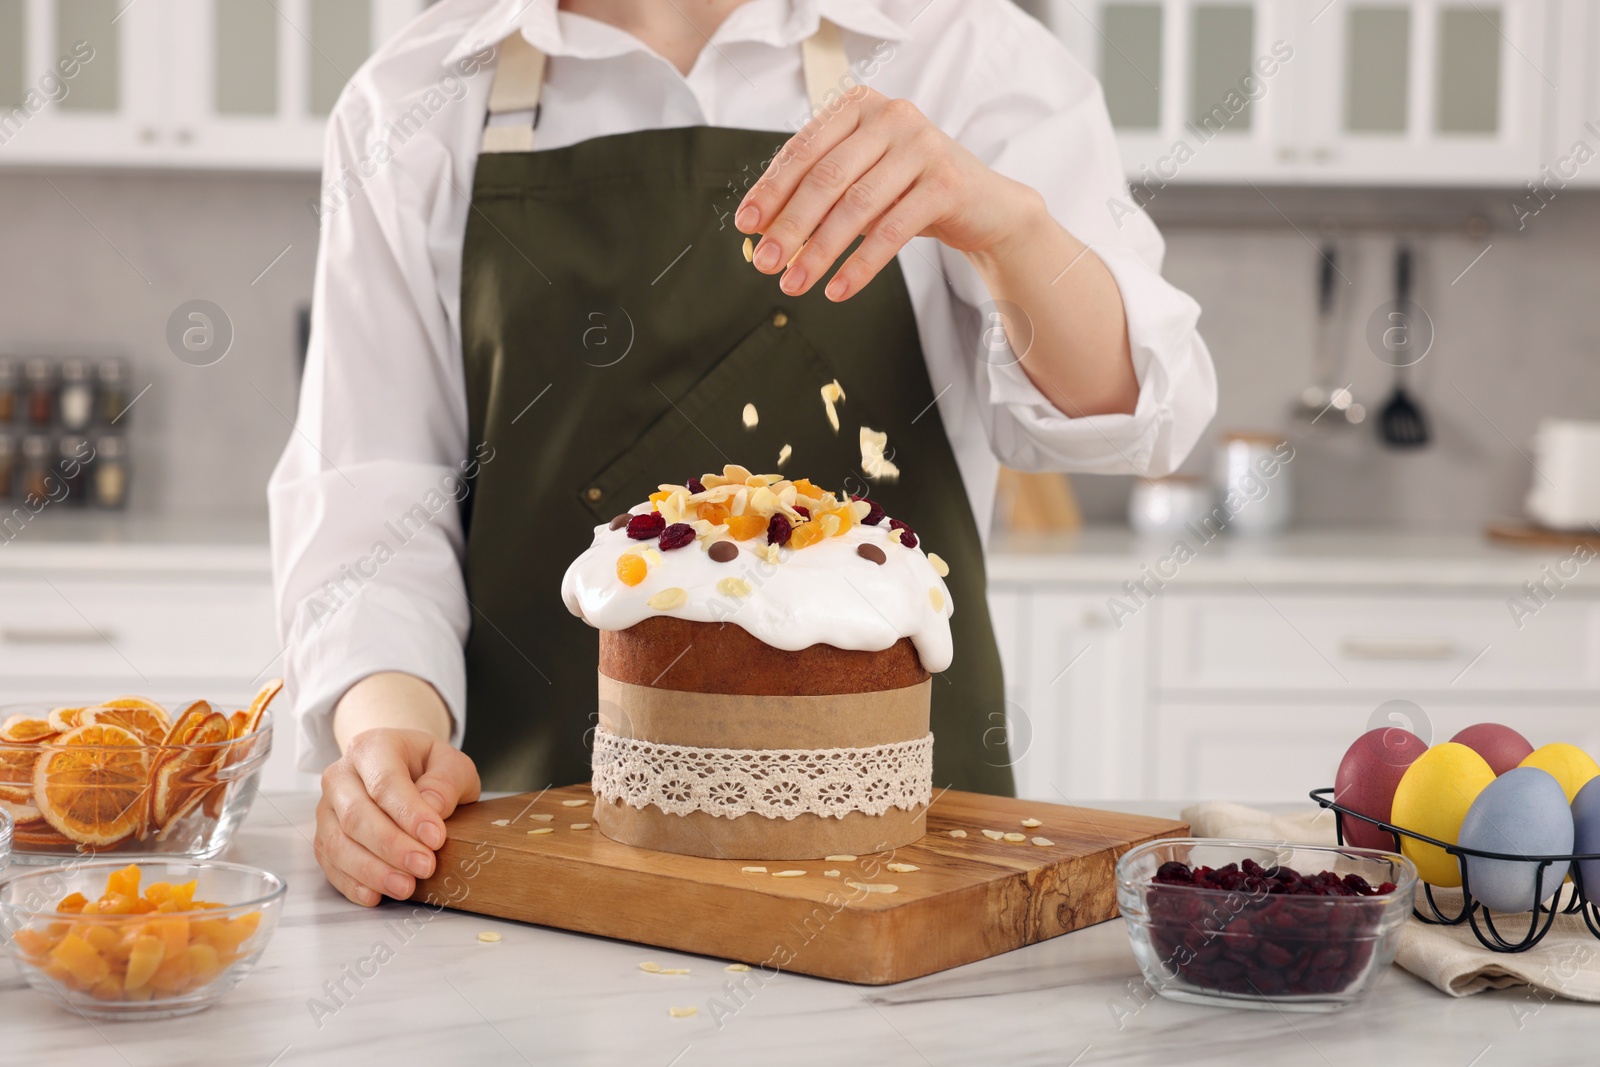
<point x="1034" y="114"/>
<point x="366" y="525"/>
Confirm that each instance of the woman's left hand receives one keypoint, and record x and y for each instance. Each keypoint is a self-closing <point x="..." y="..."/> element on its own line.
<point x="878" y="167"/>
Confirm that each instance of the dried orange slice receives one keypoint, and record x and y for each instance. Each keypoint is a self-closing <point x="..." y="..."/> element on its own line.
<point x="191" y="717"/>
<point x="183" y="776"/>
<point x="143" y="717"/>
<point x="16" y="766"/>
<point x="258" y="706"/>
<point x="91" y="784"/>
<point x="25" y="729"/>
<point x="22" y="812"/>
<point x="63" y="719"/>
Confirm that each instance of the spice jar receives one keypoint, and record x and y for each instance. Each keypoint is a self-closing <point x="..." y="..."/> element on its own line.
<point x="74" y="461"/>
<point x="112" y="381"/>
<point x="39" y="393"/>
<point x="8" y="466"/>
<point x="10" y="392"/>
<point x="36" y="480"/>
<point x="110" y="471"/>
<point x="75" y="396"/>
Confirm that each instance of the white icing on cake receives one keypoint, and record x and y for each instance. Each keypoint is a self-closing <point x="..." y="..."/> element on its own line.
<point x="824" y="593"/>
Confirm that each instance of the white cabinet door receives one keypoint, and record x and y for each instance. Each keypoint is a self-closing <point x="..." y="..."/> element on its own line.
<point x="1573" y="155"/>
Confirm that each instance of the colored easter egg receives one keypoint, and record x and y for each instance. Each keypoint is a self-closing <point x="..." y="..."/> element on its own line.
<point x="1432" y="799"/>
<point x="1523" y="812"/>
<point x="1368" y="775"/>
<point x="1568" y="764"/>
<point x="1501" y="747"/>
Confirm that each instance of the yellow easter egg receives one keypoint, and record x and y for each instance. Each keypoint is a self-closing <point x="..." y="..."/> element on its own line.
<point x="1432" y="798"/>
<point x="1567" y="764"/>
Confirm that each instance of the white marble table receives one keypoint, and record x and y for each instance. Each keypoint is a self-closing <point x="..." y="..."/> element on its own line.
<point x="547" y="997"/>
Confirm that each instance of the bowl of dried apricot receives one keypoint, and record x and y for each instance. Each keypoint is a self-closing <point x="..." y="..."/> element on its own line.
<point x="130" y="777"/>
<point x="145" y="940"/>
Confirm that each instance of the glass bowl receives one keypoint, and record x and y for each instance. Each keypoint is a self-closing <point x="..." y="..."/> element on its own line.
<point x="130" y="800"/>
<point x="5" y="841"/>
<point x="1248" y="948"/>
<point x="148" y="966"/>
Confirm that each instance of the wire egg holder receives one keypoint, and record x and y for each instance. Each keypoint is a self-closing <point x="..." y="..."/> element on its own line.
<point x="1472" y="912"/>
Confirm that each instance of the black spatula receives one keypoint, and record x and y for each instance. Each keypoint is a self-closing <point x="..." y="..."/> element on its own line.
<point x="1401" y="423"/>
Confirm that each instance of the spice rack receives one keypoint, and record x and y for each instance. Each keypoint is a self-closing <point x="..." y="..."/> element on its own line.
<point x="61" y="439"/>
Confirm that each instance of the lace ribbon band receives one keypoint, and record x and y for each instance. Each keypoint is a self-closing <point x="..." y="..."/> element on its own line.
<point x="775" y="783"/>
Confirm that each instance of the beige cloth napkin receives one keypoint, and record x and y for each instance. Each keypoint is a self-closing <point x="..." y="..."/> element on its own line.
<point x="1565" y="963"/>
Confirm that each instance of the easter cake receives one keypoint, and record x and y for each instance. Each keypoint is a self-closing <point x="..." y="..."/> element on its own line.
<point x="764" y="675"/>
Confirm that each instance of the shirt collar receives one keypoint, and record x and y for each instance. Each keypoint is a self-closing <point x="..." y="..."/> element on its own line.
<point x="780" y="23"/>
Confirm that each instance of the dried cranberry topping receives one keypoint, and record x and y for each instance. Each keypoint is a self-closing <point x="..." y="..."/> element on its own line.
<point x="874" y="516"/>
<point x="643" y="527"/>
<point x="804" y="512"/>
<point x="778" y="530"/>
<point x="908" y="536"/>
<point x="695" y="485"/>
<point x="676" y="536"/>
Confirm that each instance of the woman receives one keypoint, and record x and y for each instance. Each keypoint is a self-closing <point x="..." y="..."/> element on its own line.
<point x="531" y="307"/>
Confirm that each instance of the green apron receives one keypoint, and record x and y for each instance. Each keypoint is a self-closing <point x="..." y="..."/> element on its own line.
<point x="612" y="334"/>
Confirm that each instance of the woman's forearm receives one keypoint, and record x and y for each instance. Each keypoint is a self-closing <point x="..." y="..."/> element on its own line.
<point x="390" y="699"/>
<point x="1073" y="333"/>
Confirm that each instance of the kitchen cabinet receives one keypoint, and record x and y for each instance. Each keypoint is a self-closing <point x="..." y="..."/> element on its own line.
<point x="1573" y="157"/>
<point x="233" y="84"/>
<point x="1436" y="92"/>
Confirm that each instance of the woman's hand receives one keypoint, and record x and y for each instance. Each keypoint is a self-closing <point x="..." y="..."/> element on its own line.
<point x="878" y="167"/>
<point x="383" y="809"/>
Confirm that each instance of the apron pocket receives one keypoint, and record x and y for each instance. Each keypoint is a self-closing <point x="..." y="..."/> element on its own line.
<point x="775" y="368"/>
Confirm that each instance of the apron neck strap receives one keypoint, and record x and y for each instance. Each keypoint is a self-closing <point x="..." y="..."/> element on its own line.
<point x="519" y="79"/>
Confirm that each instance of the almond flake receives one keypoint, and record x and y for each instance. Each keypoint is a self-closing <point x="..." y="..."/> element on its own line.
<point x="736" y="587"/>
<point x="772" y="554"/>
<point x="830" y="874"/>
<point x="935" y="599"/>
<point x="874" y="887"/>
<point x="840" y="859"/>
<point x="894" y="534"/>
<point x="501" y="822"/>
<point x="1031" y="823"/>
<point x="650" y="968"/>
<point x="1016" y="839"/>
<point x="733" y="473"/>
<point x="683" y="1013"/>
<point x="541" y="818"/>
<point x="831" y="395"/>
<point x="673" y="970"/>
<point x="940" y="567"/>
<point x="902" y="868"/>
<point x="737" y="968"/>
<point x="580" y="826"/>
<point x="958" y="833"/>
<point x="787" y="874"/>
<point x="993" y="835"/>
<point x="488" y="937"/>
<point x="783" y="455"/>
<point x="543" y="830"/>
<point x="874" y="464"/>
<point x="573" y="803"/>
<point x="668" y="599"/>
<point x="1043" y="842"/>
<point x="750" y="417"/>
<point x="749" y="250"/>
<point x="753" y="870"/>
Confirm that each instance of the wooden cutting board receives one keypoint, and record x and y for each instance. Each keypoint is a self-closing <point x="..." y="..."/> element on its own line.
<point x="1525" y="535"/>
<point x="970" y="899"/>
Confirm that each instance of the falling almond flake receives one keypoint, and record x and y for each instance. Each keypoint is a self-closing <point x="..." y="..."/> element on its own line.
<point x="542" y="830"/>
<point x="783" y="455"/>
<point x="1016" y="839"/>
<point x="573" y="803"/>
<point x="830" y="874"/>
<point x="673" y="970"/>
<point x="831" y="395"/>
<point x="579" y="826"/>
<point x="788" y="874"/>
<point x="541" y="818"/>
<point x="1043" y="842"/>
<point x="488" y="937"/>
<point x="958" y="833"/>
<point x="874" y="887"/>
<point x="752" y="870"/>
<point x="683" y="1013"/>
<point x="501" y="822"/>
<point x="840" y="859"/>
<point x="874" y="464"/>
<point x="737" y="968"/>
<point x="749" y="250"/>
<point x="750" y="417"/>
<point x="668" y="599"/>
<point x="650" y="968"/>
<point x="993" y="835"/>
<point x="1031" y="823"/>
<point x="902" y="868"/>
<point x="940" y="567"/>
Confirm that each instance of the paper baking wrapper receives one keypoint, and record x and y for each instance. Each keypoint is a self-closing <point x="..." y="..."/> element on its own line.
<point x="717" y="720"/>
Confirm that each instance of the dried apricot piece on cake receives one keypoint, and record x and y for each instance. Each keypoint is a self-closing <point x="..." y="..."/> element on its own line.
<point x="744" y="527"/>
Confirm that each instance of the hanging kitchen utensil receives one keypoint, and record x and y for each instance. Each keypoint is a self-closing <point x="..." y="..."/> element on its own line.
<point x="1328" y="401"/>
<point x="1401" y="423"/>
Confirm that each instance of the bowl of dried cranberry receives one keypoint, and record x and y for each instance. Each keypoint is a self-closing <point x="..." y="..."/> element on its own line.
<point x="1256" y="924"/>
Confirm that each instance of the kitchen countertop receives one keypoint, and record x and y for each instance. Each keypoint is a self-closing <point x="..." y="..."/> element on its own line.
<point x="69" y="542"/>
<point x="546" y="996"/>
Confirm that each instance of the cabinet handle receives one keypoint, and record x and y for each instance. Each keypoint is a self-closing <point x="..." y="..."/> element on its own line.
<point x="185" y="136"/>
<point x="1288" y="155"/>
<point x="148" y="135"/>
<point x="24" y="635"/>
<point x="1397" y="648"/>
<point x="1322" y="155"/>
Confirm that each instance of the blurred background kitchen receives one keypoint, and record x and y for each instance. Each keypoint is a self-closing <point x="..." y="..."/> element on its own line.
<point x="1389" y="212"/>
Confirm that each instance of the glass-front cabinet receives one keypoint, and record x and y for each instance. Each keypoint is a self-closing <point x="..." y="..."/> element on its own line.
<point x="242" y="84"/>
<point x="1451" y="92"/>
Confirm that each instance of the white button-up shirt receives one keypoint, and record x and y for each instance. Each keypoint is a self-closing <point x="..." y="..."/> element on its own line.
<point x="382" y="424"/>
